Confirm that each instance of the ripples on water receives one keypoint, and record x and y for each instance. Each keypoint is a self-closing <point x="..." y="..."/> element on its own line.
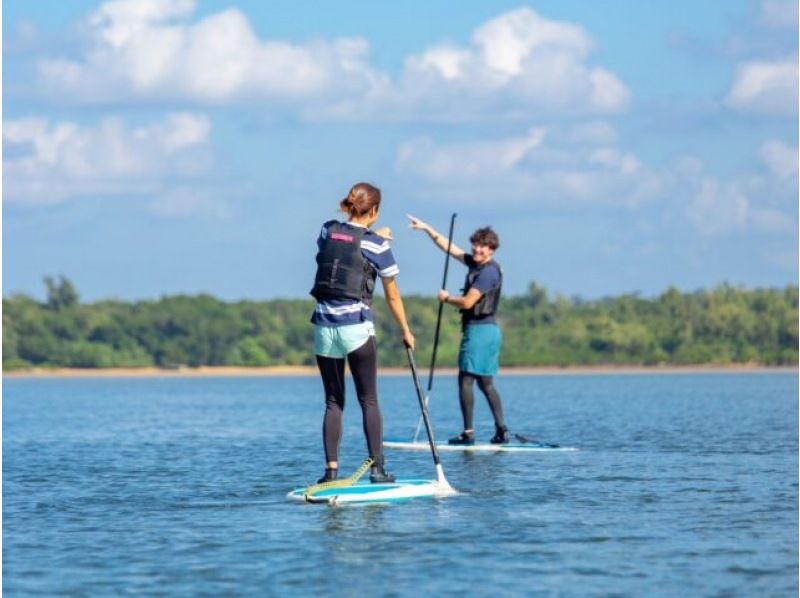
<point x="684" y="484"/>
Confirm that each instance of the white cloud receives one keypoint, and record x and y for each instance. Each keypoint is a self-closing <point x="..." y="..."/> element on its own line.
<point x="53" y="162"/>
<point x="475" y="159"/>
<point x="506" y="42"/>
<point x="764" y="202"/>
<point x="156" y="50"/>
<point x="779" y="13"/>
<point x="519" y="60"/>
<point x="766" y="87"/>
<point x="583" y="164"/>
<point x="611" y="157"/>
<point x="596" y="132"/>
<point x="150" y="49"/>
<point x="770" y="220"/>
<point x="781" y="159"/>
<point x="449" y="62"/>
<point x="542" y="165"/>
<point x="718" y="208"/>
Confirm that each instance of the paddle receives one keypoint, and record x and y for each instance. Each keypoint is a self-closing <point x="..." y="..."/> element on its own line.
<point x="426" y="418"/>
<point x="438" y="321"/>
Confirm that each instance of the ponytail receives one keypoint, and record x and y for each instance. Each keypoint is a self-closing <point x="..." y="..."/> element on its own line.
<point x="361" y="199"/>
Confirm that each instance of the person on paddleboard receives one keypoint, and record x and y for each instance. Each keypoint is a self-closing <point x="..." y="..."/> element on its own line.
<point x="481" y="340"/>
<point x="349" y="259"/>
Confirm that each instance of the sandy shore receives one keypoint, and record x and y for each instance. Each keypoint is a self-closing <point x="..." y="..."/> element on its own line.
<point x="312" y="371"/>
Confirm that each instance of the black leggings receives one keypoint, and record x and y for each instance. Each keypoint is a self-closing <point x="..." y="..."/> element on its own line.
<point x="465" y="380"/>
<point x="363" y="366"/>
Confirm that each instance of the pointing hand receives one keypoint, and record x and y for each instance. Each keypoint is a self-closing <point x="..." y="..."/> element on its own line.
<point x="416" y="223"/>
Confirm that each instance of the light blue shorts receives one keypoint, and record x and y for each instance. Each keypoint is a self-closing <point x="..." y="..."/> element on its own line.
<point x="338" y="341"/>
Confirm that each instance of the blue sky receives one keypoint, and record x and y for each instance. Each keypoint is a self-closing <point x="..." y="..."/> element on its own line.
<point x="155" y="147"/>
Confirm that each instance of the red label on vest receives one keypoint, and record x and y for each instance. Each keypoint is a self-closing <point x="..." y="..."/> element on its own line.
<point x="341" y="237"/>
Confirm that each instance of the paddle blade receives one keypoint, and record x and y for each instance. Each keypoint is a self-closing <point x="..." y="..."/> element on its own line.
<point x="443" y="486"/>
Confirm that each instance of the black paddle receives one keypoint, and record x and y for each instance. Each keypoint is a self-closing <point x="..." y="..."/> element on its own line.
<point x="438" y="319"/>
<point x="426" y="418"/>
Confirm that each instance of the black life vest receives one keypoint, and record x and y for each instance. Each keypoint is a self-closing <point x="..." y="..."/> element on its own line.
<point x="342" y="272"/>
<point x="489" y="301"/>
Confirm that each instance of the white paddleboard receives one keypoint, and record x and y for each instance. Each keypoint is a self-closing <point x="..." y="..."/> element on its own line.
<point x="366" y="492"/>
<point x="511" y="447"/>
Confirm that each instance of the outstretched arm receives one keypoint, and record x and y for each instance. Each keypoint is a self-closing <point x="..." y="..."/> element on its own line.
<point x="439" y="239"/>
<point x="395" y="303"/>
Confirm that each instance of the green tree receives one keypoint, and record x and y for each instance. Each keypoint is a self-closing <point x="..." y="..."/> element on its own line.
<point x="61" y="294"/>
<point x="720" y="325"/>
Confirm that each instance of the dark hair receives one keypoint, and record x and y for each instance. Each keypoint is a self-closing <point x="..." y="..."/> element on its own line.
<point x="485" y="236"/>
<point x="361" y="199"/>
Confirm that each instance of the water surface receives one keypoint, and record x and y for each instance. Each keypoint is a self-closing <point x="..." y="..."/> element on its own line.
<point x="683" y="483"/>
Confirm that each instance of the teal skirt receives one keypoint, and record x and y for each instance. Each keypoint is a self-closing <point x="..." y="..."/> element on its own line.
<point x="479" y="353"/>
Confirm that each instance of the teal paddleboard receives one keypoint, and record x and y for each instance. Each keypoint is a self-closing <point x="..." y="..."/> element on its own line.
<point x="366" y="492"/>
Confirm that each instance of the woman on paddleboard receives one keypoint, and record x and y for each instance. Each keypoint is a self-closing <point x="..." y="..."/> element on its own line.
<point x="479" y="353"/>
<point x="350" y="257"/>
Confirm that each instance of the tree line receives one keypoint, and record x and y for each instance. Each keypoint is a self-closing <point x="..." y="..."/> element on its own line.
<point x="723" y="325"/>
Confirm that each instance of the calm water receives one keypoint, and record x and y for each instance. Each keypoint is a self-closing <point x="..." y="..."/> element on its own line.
<point x="684" y="484"/>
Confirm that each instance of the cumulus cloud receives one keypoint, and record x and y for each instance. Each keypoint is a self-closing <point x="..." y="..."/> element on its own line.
<point x="545" y="164"/>
<point x="47" y="163"/>
<point x="151" y="49"/>
<point x="718" y="208"/>
<point x="583" y="164"/>
<point x="157" y="50"/>
<point x="766" y="87"/>
<point x="781" y="159"/>
<point x="761" y="200"/>
<point x="520" y="59"/>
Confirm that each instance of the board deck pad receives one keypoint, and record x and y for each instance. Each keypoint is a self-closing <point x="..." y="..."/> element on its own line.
<point x="367" y="492"/>
<point x="511" y="447"/>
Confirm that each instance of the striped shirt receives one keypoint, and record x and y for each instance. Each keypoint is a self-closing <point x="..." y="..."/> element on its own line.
<point x="341" y="312"/>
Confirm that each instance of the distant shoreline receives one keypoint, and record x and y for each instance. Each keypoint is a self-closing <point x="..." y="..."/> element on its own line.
<point x="277" y="371"/>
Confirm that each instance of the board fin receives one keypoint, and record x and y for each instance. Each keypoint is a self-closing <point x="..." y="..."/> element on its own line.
<point x="344" y="482"/>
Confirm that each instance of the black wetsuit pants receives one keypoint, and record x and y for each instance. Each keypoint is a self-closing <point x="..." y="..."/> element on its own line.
<point x="363" y="365"/>
<point x="465" y="383"/>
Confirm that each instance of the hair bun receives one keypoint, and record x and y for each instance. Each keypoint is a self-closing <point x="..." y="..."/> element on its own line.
<point x="361" y="199"/>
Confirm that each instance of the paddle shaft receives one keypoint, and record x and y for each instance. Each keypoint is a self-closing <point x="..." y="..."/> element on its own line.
<point x="441" y="304"/>
<point x="423" y="407"/>
<point x="438" y="320"/>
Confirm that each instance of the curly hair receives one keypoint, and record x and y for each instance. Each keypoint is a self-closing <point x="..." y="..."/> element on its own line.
<point x="485" y="236"/>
